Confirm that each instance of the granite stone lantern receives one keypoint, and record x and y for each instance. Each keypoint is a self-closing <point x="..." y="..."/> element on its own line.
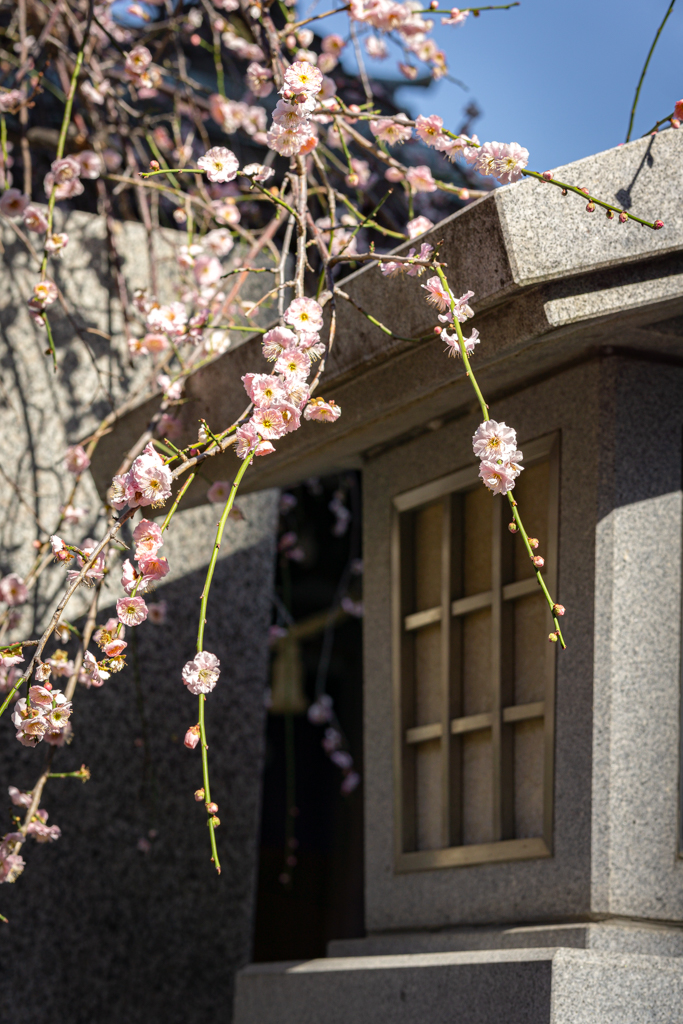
<point x="524" y="860"/>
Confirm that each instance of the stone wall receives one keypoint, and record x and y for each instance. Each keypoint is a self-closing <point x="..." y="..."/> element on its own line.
<point x="124" y="919"/>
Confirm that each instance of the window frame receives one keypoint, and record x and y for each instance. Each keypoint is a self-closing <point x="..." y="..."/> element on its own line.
<point x="407" y="736"/>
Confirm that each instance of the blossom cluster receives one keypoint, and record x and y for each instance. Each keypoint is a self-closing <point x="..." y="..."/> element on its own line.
<point x="321" y="712"/>
<point x="280" y="398"/>
<point x="151" y="567"/>
<point x="291" y="131"/>
<point x="495" y="444"/>
<point x="42" y="716"/>
<point x="147" y="482"/>
<point x="403" y="19"/>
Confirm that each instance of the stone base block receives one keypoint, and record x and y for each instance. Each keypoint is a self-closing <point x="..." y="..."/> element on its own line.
<point x="530" y="986"/>
<point x="618" y="935"/>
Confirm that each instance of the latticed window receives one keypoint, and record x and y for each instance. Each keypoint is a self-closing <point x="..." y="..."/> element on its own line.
<point x="474" y="672"/>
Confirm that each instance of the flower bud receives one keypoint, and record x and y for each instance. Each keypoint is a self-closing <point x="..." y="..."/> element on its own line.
<point x="179" y="216"/>
<point x="47" y="685"/>
<point x="623" y="217"/>
<point x="590" y="208"/>
<point x="154" y="165"/>
<point x="533" y="542"/>
<point x="212" y="808"/>
<point x="290" y="41"/>
<point x="564" y="192"/>
<point x="539" y="561"/>
<point x="352" y="180"/>
<point x="195" y="39"/>
<point x="437" y="330"/>
<point x="558" y="609"/>
<point x="552" y="637"/>
<point x="199" y="795"/>
<point x="512" y="527"/>
<point x="434" y="5"/>
<point x="610" y="215"/>
<point x="192" y="737"/>
<point x="548" y="175"/>
<point x="214" y="821"/>
<point x="659" y="224"/>
<point x="675" y="123"/>
<point x="464" y="193"/>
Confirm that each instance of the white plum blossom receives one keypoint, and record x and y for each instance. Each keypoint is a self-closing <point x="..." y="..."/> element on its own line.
<point x="493" y="440"/>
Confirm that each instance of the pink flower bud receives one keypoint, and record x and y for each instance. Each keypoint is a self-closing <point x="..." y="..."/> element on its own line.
<point x="464" y="193"/>
<point x="623" y="217"/>
<point x="548" y="175"/>
<point x="659" y="224"/>
<point x="212" y="808"/>
<point x="533" y="542"/>
<point x="352" y="180"/>
<point x="214" y="821"/>
<point x="512" y="527"/>
<point x="290" y="41"/>
<point x="195" y="39"/>
<point x="552" y="637"/>
<point x="675" y="123"/>
<point x="191" y="740"/>
<point x="558" y="609"/>
<point x="610" y="215"/>
<point x="154" y="165"/>
<point x="539" y="562"/>
<point x="437" y="330"/>
<point x="199" y="795"/>
<point x="590" y="208"/>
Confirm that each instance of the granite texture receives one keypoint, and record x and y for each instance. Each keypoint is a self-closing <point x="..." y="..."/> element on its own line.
<point x="613" y="936"/>
<point x="609" y="988"/>
<point x="442" y="988"/>
<point x="498" y="987"/>
<point x="101" y="930"/>
<point x="636" y="865"/>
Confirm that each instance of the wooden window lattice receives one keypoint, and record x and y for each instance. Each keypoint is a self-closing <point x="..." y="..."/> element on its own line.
<point x="474" y="702"/>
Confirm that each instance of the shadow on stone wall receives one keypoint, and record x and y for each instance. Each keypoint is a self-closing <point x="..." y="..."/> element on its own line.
<point x="101" y="932"/>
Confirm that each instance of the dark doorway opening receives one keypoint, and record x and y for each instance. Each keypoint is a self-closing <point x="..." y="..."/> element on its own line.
<point x="310" y="885"/>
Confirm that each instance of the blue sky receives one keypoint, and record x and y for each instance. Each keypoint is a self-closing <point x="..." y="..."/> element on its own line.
<point x="557" y="77"/>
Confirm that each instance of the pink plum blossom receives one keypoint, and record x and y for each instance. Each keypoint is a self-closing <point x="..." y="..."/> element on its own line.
<point x="420" y="179"/>
<point x="207" y="271"/>
<point x="390" y="131"/>
<point x="259" y="172"/>
<point x="249" y="443"/>
<point x="157" y="612"/>
<point x="259" y="80"/>
<point x="512" y="162"/>
<point x="437" y="295"/>
<point x="429" y="129"/>
<point x="493" y="440"/>
<point x="457" y="17"/>
<point x="153" y="567"/>
<point x="18" y="798"/>
<point x="304" y="315"/>
<point x="418" y="226"/>
<point x="220" y="164"/>
<point x="219" y="492"/>
<point x="91" y="674"/>
<point x="91" y="163"/>
<point x="131" y="611"/>
<point x="201" y="674"/>
<point x="35" y="219"/>
<point x="453" y="345"/>
<point x="276" y="341"/>
<point x="148" y="538"/>
<point x="115" y="647"/>
<point x="498" y="478"/>
<point x="294" y="362"/>
<point x="219" y="241"/>
<point x="13" y="203"/>
<point x="149" y="480"/>
<point x="269" y="423"/>
<point x="13" y="590"/>
<point x="319" y="409"/>
<point x="76" y="460"/>
<point x="170" y="319"/>
<point x="303" y="77"/>
<point x="264" y="389"/>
